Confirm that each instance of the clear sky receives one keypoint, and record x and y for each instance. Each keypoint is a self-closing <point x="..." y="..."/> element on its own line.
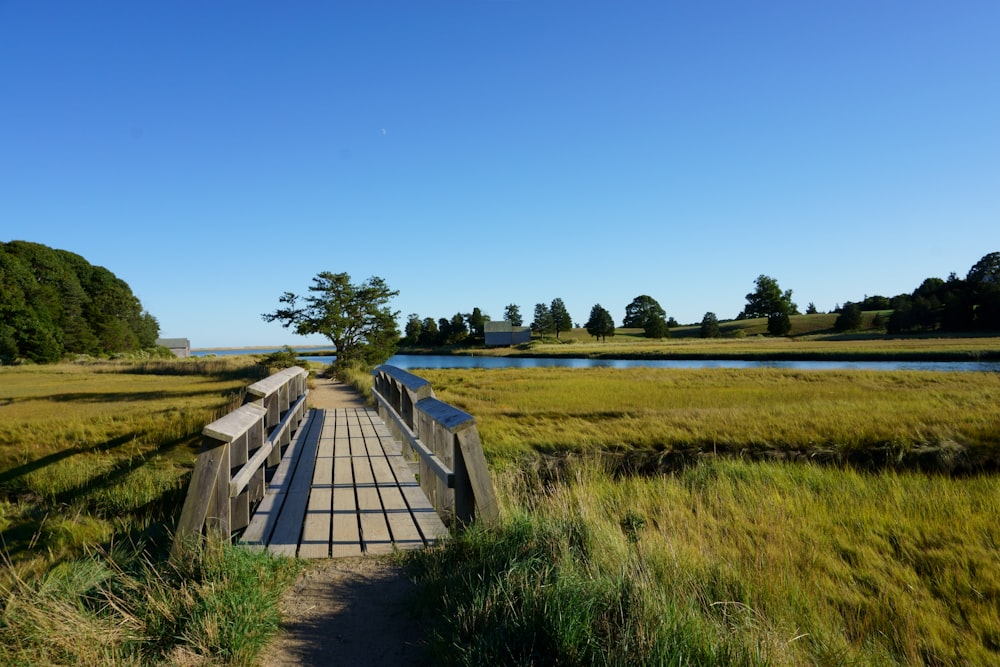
<point x="483" y="152"/>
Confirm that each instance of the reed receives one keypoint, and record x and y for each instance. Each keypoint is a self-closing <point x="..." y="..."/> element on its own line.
<point x="100" y="451"/>
<point x="728" y="562"/>
<point x="938" y="420"/>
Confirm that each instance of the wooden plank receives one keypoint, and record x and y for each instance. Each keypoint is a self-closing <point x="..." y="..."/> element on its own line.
<point x="235" y="424"/>
<point x="266" y="516"/>
<point x="479" y="476"/>
<point x="405" y="534"/>
<point x="427" y="519"/>
<point x="285" y="538"/>
<point x="318" y="522"/>
<point x="346" y="540"/>
<point x="374" y="529"/>
<point x="201" y="488"/>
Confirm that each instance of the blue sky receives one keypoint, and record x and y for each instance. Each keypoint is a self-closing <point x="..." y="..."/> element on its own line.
<point x="479" y="153"/>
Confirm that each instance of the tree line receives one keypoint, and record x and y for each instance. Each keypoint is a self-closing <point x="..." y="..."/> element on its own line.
<point x="955" y="304"/>
<point x="54" y="303"/>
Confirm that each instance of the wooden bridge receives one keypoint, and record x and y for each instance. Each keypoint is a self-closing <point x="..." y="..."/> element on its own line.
<point x="322" y="483"/>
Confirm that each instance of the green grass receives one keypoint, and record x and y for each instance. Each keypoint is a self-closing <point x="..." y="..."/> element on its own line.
<point x="101" y="451"/>
<point x="95" y="462"/>
<point x="930" y="419"/>
<point x="727" y="562"/>
<point x="605" y="557"/>
<point x="218" y="606"/>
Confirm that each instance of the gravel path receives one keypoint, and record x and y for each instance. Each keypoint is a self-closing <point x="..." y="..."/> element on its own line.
<point x="347" y="611"/>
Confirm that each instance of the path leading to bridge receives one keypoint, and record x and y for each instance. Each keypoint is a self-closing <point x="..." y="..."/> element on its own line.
<point x="348" y="611"/>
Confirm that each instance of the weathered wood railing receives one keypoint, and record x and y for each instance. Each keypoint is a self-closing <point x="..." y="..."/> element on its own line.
<point x="229" y="475"/>
<point x="453" y="470"/>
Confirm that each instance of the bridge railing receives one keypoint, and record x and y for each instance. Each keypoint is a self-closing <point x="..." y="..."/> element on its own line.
<point x="444" y="439"/>
<point x="229" y="476"/>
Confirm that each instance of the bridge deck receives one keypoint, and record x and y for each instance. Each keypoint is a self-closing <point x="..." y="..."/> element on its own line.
<point x="343" y="489"/>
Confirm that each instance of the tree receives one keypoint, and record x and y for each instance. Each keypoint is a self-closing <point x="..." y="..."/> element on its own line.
<point x="457" y="330"/>
<point x="477" y="324"/>
<point x="601" y="324"/>
<point x="542" y="324"/>
<point x="561" y="321"/>
<point x="429" y="332"/>
<point x="656" y="327"/>
<point x="414" y="328"/>
<point x="811" y="309"/>
<point x="769" y="301"/>
<point x="710" y="326"/>
<point x="356" y="318"/>
<point x="849" y="318"/>
<point x="983" y="283"/>
<point x="512" y="314"/>
<point x="640" y="310"/>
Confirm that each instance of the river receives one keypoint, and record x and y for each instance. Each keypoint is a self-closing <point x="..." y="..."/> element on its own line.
<point x="411" y="362"/>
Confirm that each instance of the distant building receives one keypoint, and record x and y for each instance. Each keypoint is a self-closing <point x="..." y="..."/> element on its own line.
<point x="181" y="347"/>
<point x="503" y="332"/>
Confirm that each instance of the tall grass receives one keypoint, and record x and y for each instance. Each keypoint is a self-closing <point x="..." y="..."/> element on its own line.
<point x="729" y="562"/>
<point x="95" y="460"/>
<point x="100" y="451"/>
<point x="936" y="420"/>
<point x="724" y="560"/>
<point x="218" y="606"/>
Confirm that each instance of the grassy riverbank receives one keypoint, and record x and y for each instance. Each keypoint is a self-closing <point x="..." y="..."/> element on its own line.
<point x="607" y="556"/>
<point x="647" y="417"/>
<point x="94" y="461"/>
<point x="727" y="562"/>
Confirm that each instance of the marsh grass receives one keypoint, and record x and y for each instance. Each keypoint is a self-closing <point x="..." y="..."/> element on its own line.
<point x="218" y="606"/>
<point x="724" y="560"/>
<point x="728" y="562"/>
<point x="95" y="464"/>
<point x="100" y="451"/>
<point x="941" y="421"/>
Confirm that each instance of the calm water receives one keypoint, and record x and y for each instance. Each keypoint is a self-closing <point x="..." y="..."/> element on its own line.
<point x="410" y="362"/>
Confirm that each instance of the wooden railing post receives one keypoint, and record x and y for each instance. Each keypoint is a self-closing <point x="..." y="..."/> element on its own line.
<point x="453" y="470"/>
<point x="229" y="474"/>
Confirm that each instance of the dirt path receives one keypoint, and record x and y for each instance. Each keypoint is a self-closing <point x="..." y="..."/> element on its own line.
<point x="347" y="611"/>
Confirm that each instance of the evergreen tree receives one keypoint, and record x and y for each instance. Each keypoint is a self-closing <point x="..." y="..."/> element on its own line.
<point x="600" y="324"/>
<point x="512" y="314"/>
<point x="561" y="321"/>
<point x="543" y="324"/>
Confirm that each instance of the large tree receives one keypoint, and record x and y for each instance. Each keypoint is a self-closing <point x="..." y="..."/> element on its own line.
<point x="640" y="310"/>
<point x="561" y="321"/>
<point x="356" y="318"/>
<point x="767" y="300"/>
<point x="601" y="324"/>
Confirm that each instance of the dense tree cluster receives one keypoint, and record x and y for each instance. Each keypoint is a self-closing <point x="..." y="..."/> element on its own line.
<point x="53" y="303"/>
<point x="459" y="328"/>
<point x="953" y="304"/>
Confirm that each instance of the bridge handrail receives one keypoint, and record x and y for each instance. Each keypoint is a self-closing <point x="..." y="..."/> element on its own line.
<point x="229" y="474"/>
<point x="453" y="469"/>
